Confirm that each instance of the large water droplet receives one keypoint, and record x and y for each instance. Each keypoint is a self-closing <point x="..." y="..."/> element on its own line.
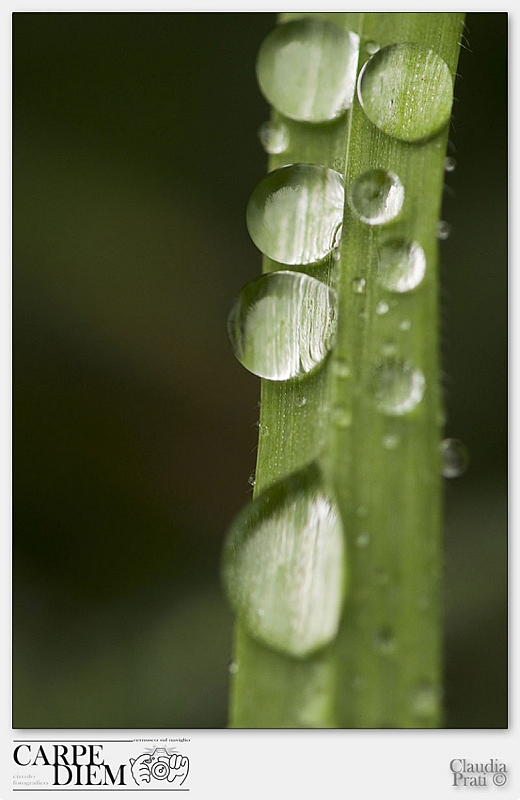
<point x="307" y="68"/>
<point x="285" y="556"/>
<point x="397" y="386"/>
<point x="455" y="458"/>
<point x="274" y="137"/>
<point x="295" y="212"/>
<point x="401" y="266"/>
<point x="376" y="196"/>
<point x="282" y="325"/>
<point x="407" y="91"/>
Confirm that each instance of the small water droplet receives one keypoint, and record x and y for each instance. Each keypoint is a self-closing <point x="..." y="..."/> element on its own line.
<point x="282" y="325"/>
<point x="376" y="196"/>
<point x="371" y="48"/>
<point x="405" y="325"/>
<point x="232" y="667"/>
<point x="306" y="69"/>
<point x="389" y="348"/>
<point x="384" y="641"/>
<point x="397" y="386"/>
<point x="251" y="480"/>
<point x="294" y="214"/>
<point x="455" y="458"/>
<point x="391" y="441"/>
<point x="338" y="164"/>
<point x="274" y="137"/>
<point x="341" y="368"/>
<point x="300" y="401"/>
<point x="401" y="265"/>
<point x="425" y="700"/>
<point x="382" y="308"/>
<point x="285" y="555"/>
<point x="450" y="164"/>
<point x="359" y="285"/>
<point x="406" y="90"/>
<point x="363" y="540"/>
<point x="341" y="417"/>
<point x="443" y="230"/>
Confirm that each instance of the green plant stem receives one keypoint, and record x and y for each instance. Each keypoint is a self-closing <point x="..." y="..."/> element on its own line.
<point x="385" y="667"/>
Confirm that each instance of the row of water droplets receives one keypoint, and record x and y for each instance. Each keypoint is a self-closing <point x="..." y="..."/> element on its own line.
<point x="284" y="562"/>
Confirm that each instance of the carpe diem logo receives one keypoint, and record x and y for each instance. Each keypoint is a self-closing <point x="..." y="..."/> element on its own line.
<point x="41" y="765"/>
<point x="160" y="764"/>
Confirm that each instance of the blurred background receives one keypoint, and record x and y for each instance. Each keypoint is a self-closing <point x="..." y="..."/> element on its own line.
<point x="135" y="151"/>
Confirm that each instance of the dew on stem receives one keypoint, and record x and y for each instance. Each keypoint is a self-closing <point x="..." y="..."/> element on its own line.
<point x="282" y="325"/>
<point x="274" y="137"/>
<point x="397" y="386"/>
<point x="406" y="90"/>
<point x="295" y="213"/>
<point x="401" y="265"/>
<point x="306" y="69"/>
<point x="454" y="457"/>
<point x="376" y="197"/>
<point x="284" y="565"/>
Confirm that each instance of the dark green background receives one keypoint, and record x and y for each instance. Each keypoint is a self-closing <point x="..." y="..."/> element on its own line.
<point x="134" y="153"/>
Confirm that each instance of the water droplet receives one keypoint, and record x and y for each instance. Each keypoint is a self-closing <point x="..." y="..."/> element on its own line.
<point x="405" y="325"/>
<point x="371" y="48"/>
<point x="294" y="214"/>
<point x="401" y="266"/>
<point x="307" y="68"/>
<point x="389" y="348"/>
<point x="391" y="441"/>
<point x="338" y="164"/>
<point x="450" y="164"/>
<point x="455" y="458"/>
<point x="397" y="386"/>
<point x="406" y="90"/>
<point x="285" y="554"/>
<point x="425" y="700"/>
<point x="274" y="137"/>
<point x="359" y="285"/>
<point x="363" y="540"/>
<point x="300" y="401"/>
<point x="443" y="230"/>
<point x="384" y="641"/>
<point x="233" y="667"/>
<point x="251" y="480"/>
<point x="382" y="308"/>
<point x="341" y="368"/>
<point x="341" y="417"/>
<point x="282" y="325"/>
<point x="376" y="197"/>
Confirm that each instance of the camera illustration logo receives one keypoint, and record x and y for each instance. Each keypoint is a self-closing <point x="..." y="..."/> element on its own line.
<point x="161" y="764"/>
